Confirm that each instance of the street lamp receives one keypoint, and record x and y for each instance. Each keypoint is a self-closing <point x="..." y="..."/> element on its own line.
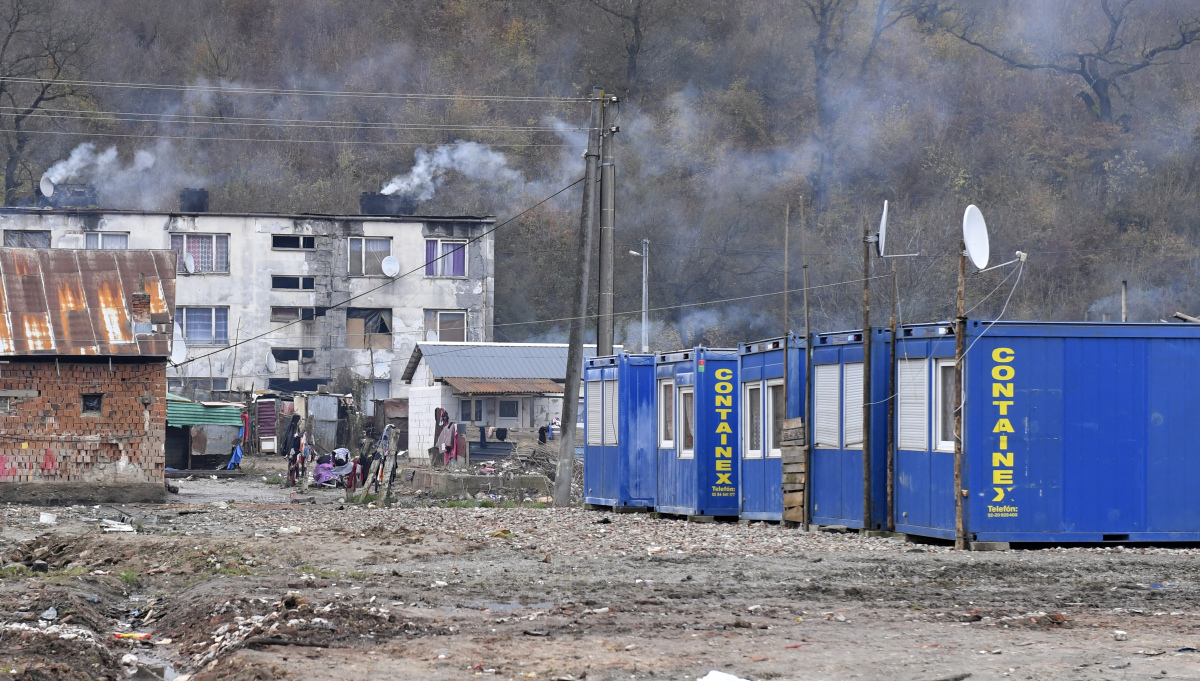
<point x="645" y="256"/>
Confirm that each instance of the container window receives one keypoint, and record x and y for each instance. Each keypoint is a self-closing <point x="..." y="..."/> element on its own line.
<point x="666" y="415"/>
<point x="754" y="429"/>
<point x="594" y="413"/>
<point x="508" y="409"/>
<point x="826" y="406"/>
<point x="775" y="416"/>
<point x="687" y="423"/>
<point x="943" y="404"/>
<point x="912" y="408"/>
<point x="610" y="413"/>
<point x="853" y="406"/>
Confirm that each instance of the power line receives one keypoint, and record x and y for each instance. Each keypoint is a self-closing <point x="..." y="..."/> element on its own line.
<point x="260" y="139"/>
<point x="225" y="89"/>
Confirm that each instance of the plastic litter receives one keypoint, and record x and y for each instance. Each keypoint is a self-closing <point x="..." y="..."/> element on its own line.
<point x="715" y="675"/>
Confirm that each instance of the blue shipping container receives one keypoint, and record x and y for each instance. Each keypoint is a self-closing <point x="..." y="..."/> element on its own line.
<point x="837" y="435"/>
<point x="763" y="410"/>
<point x="620" y="463"/>
<point x="698" y="423"/>
<point x="1073" y="432"/>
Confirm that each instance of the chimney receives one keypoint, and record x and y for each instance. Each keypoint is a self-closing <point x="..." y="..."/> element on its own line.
<point x="139" y="307"/>
<point x="72" y="196"/>
<point x="193" y="201"/>
<point x="372" y="203"/>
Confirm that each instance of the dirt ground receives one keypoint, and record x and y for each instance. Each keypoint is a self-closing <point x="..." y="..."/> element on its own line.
<point x="232" y="581"/>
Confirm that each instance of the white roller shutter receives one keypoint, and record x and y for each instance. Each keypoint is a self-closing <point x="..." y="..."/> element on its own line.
<point x="912" y="409"/>
<point x="826" y="405"/>
<point x="853" y="405"/>
<point x="610" y="413"/>
<point x="595" y="405"/>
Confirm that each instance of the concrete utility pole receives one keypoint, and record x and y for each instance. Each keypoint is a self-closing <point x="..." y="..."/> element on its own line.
<point x="645" y="255"/>
<point x="608" y="210"/>
<point x="866" y="376"/>
<point x="587" y="220"/>
<point x="1124" y="295"/>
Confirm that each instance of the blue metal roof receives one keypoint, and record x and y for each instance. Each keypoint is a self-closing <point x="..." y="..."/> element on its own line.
<point x="493" y="360"/>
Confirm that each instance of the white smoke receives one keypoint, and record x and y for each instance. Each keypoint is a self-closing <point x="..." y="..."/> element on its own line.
<point x="85" y="164"/>
<point x="471" y="159"/>
<point x="126" y="185"/>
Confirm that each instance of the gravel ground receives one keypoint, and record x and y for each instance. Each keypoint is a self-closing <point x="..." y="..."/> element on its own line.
<point x="261" y="589"/>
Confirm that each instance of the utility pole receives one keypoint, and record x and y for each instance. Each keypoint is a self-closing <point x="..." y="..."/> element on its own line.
<point x="787" y="218"/>
<point x="960" y="333"/>
<point x="608" y="208"/>
<point x="1124" y="292"/>
<point x="866" y="375"/>
<point x="891" y="442"/>
<point x="645" y="295"/>
<point x="808" y="425"/>
<point x="570" y="404"/>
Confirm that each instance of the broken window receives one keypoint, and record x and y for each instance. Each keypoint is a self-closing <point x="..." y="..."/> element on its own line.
<point x="26" y="239"/>
<point x="288" y="354"/>
<point x="369" y="329"/>
<point x="446" y="326"/>
<point x="210" y="252"/>
<point x="293" y="314"/>
<point x="92" y="403"/>
<point x="366" y="255"/>
<point x="445" y="258"/>
<point x="5" y="405"/>
<point x="106" y="241"/>
<point x="290" y="242"/>
<point x="293" y="283"/>
<point x="203" y="325"/>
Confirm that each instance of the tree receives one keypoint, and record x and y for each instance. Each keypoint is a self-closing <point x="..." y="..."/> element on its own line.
<point x="1109" y="50"/>
<point x="42" y="44"/>
<point x="640" y="20"/>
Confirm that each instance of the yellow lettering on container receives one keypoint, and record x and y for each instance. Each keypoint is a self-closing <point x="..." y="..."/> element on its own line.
<point x="1003" y="426"/>
<point x="723" y="479"/>
<point x="1003" y="355"/>
<point x="1002" y="476"/>
<point x="1003" y="372"/>
<point x="723" y="388"/>
<point x="1002" y="390"/>
<point x="723" y="427"/>
<point x="724" y="465"/>
<point x="1002" y="459"/>
<point x="1004" y="405"/>
<point x="725" y="452"/>
<point x="723" y="374"/>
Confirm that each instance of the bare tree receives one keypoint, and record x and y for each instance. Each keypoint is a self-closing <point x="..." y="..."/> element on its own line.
<point x="639" y="19"/>
<point x="1119" y="46"/>
<point x="41" y="45"/>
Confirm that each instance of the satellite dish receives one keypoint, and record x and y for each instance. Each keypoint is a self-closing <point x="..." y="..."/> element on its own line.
<point x="178" y="347"/>
<point x="189" y="263"/>
<point x="975" y="236"/>
<point x="272" y="365"/>
<point x="882" y="230"/>
<point x="391" y="266"/>
<point x="47" y="186"/>
<point x="380" y="370"/>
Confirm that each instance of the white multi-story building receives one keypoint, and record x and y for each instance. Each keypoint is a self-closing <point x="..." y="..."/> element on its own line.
<point x="308" y="291"/>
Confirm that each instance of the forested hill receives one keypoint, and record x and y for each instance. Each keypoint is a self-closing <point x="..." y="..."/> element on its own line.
<point x="1075" y="126"/>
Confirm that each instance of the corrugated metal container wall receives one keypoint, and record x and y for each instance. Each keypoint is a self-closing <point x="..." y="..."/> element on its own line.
<point x="837" y="457"/>
<point x="1075" y="432"/>
<point x="762" y="409"/>
<point x="619" y="458"/>
<point x="698" y="423"/>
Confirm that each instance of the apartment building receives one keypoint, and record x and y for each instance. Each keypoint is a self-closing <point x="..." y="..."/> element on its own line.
<point x="293" y="301"/>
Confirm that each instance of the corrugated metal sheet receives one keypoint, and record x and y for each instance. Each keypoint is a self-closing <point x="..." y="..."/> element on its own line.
<point x="494" y="360"/>
<point x="182" y="412"/>
<point x="69" y="302"/>
<point x="504" y="386"/>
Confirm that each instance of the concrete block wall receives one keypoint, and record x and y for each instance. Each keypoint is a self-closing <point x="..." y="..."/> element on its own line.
<point x="48" y="439"/>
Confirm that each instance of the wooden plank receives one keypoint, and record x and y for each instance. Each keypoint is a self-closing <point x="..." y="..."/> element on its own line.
<point x="793" y="467"/>
<point x="793" y="499"/>
<point x="793" y="488"/>
<point x="793" y="478"/>
<point x="797" y="422"/>
<point x="795" y="515"/>
<point x="793" y="452"/>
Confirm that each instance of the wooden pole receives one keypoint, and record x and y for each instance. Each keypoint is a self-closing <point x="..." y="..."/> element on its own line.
<point x="960" y="330"/>
<point x="808" y="426"/>
<point x="891" y="443"/>
<point x="866" y="376"/>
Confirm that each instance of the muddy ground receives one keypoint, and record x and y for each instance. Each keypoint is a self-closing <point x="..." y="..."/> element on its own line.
<point x="261" y="588"/>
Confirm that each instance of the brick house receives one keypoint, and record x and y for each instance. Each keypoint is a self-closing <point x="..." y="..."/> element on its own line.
<point x="84" y="341"/>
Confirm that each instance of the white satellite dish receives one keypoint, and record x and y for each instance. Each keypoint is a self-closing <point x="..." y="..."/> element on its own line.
<point x="975" y="236"/>
<point x="380" y="370"/>
<point x="882" y="230"/>
<point x="189" y="263"/>
<point x="47" y="186"/>
<point x="178" y="347"/>
<point x="391" y="266"/>
<point x="272" y="365"/>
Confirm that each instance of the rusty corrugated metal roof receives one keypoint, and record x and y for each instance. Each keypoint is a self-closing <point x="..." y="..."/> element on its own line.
<point x="70" y="302"/>
<point x="504" y="386"/>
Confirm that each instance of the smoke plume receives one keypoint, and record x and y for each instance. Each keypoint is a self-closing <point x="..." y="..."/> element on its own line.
<point x="151" y="180"/>
<point x="471" y="159"/>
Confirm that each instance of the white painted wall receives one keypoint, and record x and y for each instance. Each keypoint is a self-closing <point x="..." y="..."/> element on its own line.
<point x="422" y="400"/>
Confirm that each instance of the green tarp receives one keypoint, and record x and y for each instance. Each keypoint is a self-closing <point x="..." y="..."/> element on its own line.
<point x="184" y="412"/>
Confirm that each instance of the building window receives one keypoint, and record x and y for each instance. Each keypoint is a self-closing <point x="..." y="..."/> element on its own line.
<point x="666" y="415"/>
<point x="368" y="329"/>
<point x="26" y="239"/>
<point x="852" y="406"/>
<point x="366" y="255"/>
<point x="5" y="405"/>
<point x="943" y="404"/>
<point x="293" y="283"/>
<point x="445" y="258"/>
<point x="687" y="423"/>
<point x="381" y="389"/>
<point x="912" y="405"/>
<point x="92" y="403"/>
<point x="753" y="417"/>
<point x="106" y="241"/>
<point x="210" y="252"/>
<point x="464" y="411"/>
<point x="289" y="242"/>
<point x="293" y="314"/>
<point x="595" y="413"/>
<point x="292" y="354"/>
<point x="509" y="409"/>
<point x="826" y="406"/>
<point x="776" y="414"/>
<point x="610" y="413"/>
<point x="449" y="326"/>
<point x="203" y="325"/>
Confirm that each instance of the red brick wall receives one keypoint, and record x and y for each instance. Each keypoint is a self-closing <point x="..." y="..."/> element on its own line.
<point x="48" y="439"/>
